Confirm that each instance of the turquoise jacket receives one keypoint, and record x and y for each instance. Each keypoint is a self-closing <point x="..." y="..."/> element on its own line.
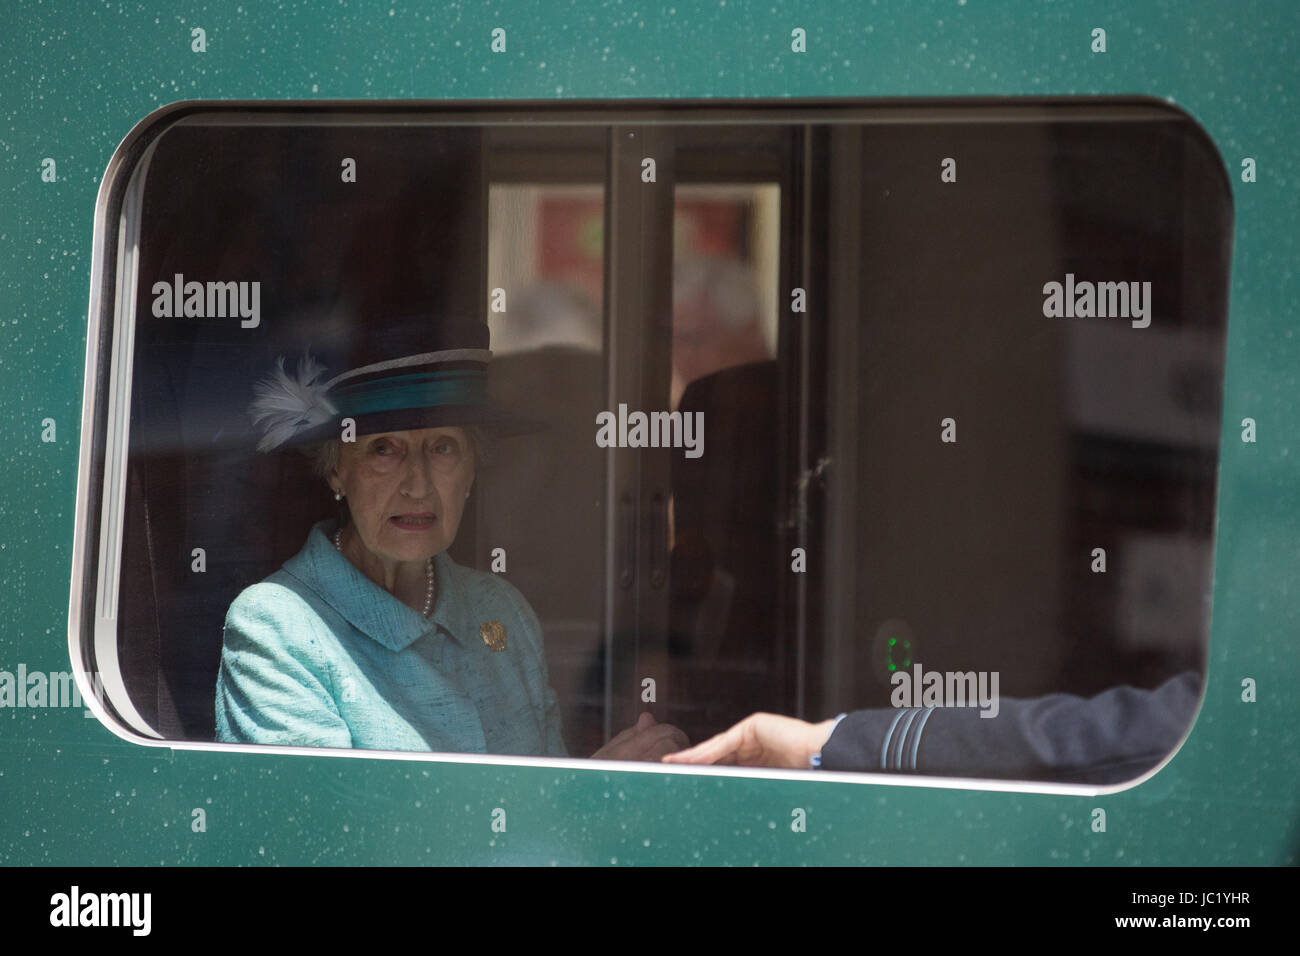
<point x="318" y="655"/>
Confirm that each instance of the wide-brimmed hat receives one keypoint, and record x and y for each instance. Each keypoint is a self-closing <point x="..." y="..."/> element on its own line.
<point x="388" y="387"/>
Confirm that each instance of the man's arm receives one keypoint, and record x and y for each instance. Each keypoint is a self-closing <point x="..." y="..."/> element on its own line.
<point x="1109" y="738"/>
<point x="1112" y="737"/>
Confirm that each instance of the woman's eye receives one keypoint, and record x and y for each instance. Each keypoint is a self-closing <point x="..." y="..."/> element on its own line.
<point x="446" y="447"/>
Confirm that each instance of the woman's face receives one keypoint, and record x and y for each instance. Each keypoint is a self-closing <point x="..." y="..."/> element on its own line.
<point x="406" y="490"/>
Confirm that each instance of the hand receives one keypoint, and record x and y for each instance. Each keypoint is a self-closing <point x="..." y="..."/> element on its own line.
<point x="761" y="740"/>
<point x="646" y="740"/>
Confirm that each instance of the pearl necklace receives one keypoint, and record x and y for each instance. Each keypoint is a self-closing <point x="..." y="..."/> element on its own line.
<point x="428" y="594"/>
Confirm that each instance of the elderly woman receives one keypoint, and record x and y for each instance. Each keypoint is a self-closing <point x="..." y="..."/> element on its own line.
<point x="371" y="635"/>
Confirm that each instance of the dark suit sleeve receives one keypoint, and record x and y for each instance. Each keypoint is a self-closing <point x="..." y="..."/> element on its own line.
<point x="1110" y="738"/>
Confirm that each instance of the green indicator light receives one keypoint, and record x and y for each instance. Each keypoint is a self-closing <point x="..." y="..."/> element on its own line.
<point x="889" y="653"/>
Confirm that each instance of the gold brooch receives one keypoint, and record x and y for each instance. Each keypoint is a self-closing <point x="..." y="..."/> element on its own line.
<point x="493" y="634"/>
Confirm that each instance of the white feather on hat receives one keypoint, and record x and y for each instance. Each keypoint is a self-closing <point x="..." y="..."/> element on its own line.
<point x="283" y="406"/>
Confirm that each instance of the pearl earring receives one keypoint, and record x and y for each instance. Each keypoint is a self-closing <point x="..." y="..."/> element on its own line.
<point x="338" y="496"/>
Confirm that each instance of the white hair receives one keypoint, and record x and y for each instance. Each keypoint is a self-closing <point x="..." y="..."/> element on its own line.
<point x="727" y="285"/>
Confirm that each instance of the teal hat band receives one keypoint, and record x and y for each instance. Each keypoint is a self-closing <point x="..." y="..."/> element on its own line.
<point x="462" y="386"/>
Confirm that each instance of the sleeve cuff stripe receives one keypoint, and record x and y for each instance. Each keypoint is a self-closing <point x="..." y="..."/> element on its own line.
<point x="916" y="737"/>
<point x="884" y="749"/>
<point x="902" y="739"/>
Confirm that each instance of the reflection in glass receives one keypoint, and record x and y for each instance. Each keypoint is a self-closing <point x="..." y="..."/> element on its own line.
<point x="543" y="503"/>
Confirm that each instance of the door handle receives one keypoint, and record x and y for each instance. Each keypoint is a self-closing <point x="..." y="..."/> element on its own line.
<point x="658" y="540"/>
<point x="627" y="530"/>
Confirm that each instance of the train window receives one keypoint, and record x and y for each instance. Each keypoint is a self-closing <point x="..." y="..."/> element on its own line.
<point x="550" y="433"/>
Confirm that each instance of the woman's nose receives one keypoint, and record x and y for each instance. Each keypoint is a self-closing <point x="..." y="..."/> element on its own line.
<point x="418" y="478"/>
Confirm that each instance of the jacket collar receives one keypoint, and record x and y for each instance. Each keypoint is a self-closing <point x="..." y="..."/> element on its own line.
<point x="368" y="607"/>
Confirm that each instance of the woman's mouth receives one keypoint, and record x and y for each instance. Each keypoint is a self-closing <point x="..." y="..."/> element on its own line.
<point x="415" y="522"/>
